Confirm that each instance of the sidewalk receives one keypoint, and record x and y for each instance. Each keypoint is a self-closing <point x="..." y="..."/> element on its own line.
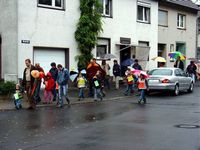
<point x="111" y="94"/>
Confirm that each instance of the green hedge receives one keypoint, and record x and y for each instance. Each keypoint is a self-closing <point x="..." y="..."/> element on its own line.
<point x="7" y="87"/>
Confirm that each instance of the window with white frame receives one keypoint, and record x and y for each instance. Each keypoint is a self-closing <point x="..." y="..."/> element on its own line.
<point x="103" y="47"/>
<point x="106" y="7"/>
<point x="59" y="4"/>
<point x="143" y="12"/>
<point x="181" y="21"/>
<point x="162" y="18"/>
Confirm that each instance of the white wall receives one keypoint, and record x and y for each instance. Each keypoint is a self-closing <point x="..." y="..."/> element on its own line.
<point x="55" y="28"/>
<point x="171" y="35"/>
<point x="8" y="32"/>
<point x="124" y="24"/>
<point x="46" y="28"/>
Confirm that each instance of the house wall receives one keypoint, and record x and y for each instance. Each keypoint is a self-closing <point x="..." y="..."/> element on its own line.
<point x="8" y="33"/>
<point x="55" y="28"/>
<point x="46" y="28"/>
<point x="124" y="24"/>
<point x="171" y="35"/>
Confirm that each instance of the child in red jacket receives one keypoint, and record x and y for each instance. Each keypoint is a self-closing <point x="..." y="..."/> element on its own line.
<point x="49" y="85"/>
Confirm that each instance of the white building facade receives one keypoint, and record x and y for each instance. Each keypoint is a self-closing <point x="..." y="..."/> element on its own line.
<point x="43" y="31"/>
<point x="177" y="29"/>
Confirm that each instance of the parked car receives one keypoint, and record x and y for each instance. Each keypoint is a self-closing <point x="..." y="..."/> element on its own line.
<point x="172" y="79"/>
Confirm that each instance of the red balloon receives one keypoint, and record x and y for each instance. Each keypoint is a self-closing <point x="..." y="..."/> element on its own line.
<point x="42" y="75"/>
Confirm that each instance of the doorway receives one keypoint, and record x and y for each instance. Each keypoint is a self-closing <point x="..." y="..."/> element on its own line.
<point x="161" y="51"/>
<point x="125" y="53"/>
<point x="181" y="47"/>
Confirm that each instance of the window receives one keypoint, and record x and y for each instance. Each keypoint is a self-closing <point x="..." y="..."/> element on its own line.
<point x="58" y="4"/>
<point x="103" y="47"/>
<point x="161" y="72"/>
<point x="162" y="18"/>
<point x="106" y="7"/>
<point x="143" y="43"/>
<point x="142" y="50"/>
<point x="177" y="72"/>
<point x="143" y="12"/>
<point x="181" y="21"/>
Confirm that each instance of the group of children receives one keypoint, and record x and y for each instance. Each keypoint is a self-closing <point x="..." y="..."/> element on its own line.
<point x="81" y="81"/>
<point x="48" y="96"/>
<point x="97" y="86"/>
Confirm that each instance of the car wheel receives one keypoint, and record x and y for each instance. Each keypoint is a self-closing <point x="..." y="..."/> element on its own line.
<point x="191" y="87"/>
<point x="176" y="90"/>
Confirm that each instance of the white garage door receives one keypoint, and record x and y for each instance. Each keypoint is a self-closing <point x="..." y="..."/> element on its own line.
<point x="46" y="56"/>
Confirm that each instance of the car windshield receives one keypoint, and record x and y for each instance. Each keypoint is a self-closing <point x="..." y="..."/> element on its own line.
<point x="162" y="72"/>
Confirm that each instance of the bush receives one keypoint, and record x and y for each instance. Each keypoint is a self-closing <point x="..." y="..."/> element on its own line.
<point x="7" y="87"/>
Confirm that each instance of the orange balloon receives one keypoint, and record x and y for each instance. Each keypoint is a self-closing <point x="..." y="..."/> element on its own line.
<point x="35" y="73"/>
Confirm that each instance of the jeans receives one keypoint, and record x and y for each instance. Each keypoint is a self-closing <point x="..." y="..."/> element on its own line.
<point x="18" y="103"/>
<point x="97" y="94"/>
<point x="192" y="75"/>
<point x="81" y="93"/>
<point x="107" y="81"/>
<point x="129" y="88"/>
<point x="37" y="93"/>
<point x="54" y="92"/>
<point x="90" y="89"/>
<point x="117" y="82"/>
<point x="63" y="90"/>
<point x="142" y="95"/>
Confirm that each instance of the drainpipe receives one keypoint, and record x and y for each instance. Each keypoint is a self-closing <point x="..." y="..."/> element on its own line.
<point x="197" y="33"/>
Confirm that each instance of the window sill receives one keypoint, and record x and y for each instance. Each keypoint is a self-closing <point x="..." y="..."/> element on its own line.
<point x="179" y="28"/>
<point x="139" y="21"/>
<point x="104" y="16"/>
<point x="163" y="25"/>
<point x="49" y="7"/>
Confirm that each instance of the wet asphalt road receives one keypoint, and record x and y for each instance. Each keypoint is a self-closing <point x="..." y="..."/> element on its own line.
<point x="111" y="125"/>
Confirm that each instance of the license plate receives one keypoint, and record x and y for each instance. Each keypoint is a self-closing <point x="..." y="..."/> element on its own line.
<point x="153" y="81"/>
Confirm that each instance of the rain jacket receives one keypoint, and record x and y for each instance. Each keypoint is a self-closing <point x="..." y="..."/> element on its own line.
<point x="49" y="83"/>
<point x="63" y="76"/>
<point x="116" y="70"/>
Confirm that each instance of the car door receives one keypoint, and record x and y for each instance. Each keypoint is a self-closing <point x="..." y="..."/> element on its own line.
<point x="179" y="78"/>
<point x="186" y="80"/>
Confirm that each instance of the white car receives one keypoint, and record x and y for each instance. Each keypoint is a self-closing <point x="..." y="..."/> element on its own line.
<point x="171" y="79"/>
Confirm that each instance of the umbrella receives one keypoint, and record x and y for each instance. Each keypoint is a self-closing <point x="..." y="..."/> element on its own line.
<point x="108" y="56"/>
<point x="136" y="72"/>
<point x="92" y="69"/>
<point x="127" y="62"/>
<point x="159" y="59"/>
<point x="74" y="74"/>
<point x="144" y="74"/>
<point x="139" y="72"/>
<point x="177" y="54"/>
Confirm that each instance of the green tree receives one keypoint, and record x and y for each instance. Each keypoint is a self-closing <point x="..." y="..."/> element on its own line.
<point x="88" y="28"/>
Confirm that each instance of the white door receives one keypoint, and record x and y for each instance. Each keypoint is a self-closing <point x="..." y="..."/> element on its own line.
<point x="46" y="56"/>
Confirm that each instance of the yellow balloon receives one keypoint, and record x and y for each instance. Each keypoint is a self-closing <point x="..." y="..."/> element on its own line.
<point x="35" y="73"/>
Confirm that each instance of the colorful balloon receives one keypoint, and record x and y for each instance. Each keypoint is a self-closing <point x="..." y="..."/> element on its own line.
<point x="35" y="74"/>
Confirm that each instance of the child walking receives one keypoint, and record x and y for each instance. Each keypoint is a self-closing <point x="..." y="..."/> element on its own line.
<point x="49" y="85"/>
<point x="18" y="97"/>
<point x="81" y="83"/>
<point x="130" y="82"/>
<point x="97" y="84"/>
<point x="142" y="86"/>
